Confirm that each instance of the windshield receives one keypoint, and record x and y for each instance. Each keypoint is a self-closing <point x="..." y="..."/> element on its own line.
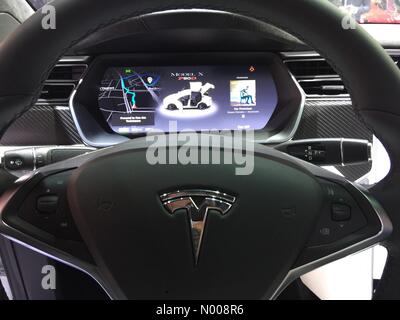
<point x="371" y="11"/>
<point x="364" y="11"/>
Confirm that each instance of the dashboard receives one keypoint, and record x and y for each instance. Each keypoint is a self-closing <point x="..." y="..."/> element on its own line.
<point x="124" y="96"/>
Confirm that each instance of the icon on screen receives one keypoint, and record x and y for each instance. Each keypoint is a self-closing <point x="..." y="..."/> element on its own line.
<point x="243" y="93"/>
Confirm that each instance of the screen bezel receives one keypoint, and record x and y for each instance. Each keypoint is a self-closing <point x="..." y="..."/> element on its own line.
<point x="95" y="130"/>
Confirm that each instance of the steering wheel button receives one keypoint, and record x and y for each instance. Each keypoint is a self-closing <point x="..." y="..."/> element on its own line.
<point x="325" y="232"/>
<point x="47" y="204"/>
<point x="341" y="212"/>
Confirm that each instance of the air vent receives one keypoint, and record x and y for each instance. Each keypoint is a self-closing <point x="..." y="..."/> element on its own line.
<point x="61" y="82"/>
<point x="67" y="73"/>
<point x="316" y="77"/>
<point x="57" y="92"/>
<point x="310" y="68"/>
<point x="323" y="87"/>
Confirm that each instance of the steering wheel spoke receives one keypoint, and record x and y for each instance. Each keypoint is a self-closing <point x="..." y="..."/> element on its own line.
<point x="350" y="221"/>
<point x="35" y="213"/>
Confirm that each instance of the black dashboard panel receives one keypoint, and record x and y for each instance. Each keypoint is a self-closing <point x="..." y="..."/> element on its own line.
<point x="279" y="125"/>
<point x="42" y="125"/>
<point x="188" y="31"/>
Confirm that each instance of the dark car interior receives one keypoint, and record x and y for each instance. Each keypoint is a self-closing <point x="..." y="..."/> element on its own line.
<point x="81" y="102"/>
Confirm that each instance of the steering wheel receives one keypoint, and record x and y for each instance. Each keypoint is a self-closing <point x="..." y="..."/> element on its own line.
<point x="125" y="222"/>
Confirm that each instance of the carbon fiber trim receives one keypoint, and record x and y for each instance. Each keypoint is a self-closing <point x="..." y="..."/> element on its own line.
<point x="355" y="172"/>
<point x="42" y="125"/>
<point x="334" y="119"/>
<point x="331" y="119"/>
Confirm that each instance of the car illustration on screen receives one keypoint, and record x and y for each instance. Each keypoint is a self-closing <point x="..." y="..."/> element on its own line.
<point x="197" y="97"/>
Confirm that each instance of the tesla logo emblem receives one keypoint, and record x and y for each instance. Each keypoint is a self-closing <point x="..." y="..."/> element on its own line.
<point x="197" y="204"/>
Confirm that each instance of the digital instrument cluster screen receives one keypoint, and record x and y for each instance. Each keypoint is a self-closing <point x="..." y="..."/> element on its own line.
<point x="142" y="99"/>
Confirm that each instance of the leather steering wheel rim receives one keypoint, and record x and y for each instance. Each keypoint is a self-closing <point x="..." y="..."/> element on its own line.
<point x="369" y="73"/>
